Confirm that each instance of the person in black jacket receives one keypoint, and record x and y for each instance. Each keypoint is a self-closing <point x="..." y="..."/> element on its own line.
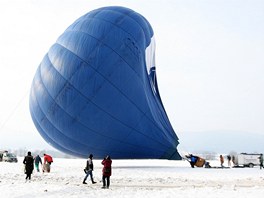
<point x="89" y="169"/>
<point x="29" y="165"/>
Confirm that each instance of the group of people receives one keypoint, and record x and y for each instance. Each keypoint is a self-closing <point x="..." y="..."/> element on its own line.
<point x="106" y="172"/>
<point x="200" y="162"/>
<point x="29" y="162"/>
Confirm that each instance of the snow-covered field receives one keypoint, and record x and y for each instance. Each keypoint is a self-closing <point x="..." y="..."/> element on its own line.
<point x="132" y="178"/>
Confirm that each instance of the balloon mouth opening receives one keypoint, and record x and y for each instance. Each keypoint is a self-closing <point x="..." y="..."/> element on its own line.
<point x="150" y="64"/>
<point x="150" y="55"/>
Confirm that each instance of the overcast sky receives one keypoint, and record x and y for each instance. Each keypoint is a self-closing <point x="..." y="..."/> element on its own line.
<point x="209" y="61"/>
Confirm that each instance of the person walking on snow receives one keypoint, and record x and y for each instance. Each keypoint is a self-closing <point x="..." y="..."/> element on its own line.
<point x="37" y="160"/>
<point x="29" y="165"/>
<point x="107" y="171"/>
<point x="89" y="169"/>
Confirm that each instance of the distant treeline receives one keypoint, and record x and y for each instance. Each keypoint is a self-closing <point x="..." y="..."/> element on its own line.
<point x="23" y="152"/>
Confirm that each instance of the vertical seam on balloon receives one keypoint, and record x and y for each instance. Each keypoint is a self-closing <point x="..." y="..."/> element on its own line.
<point x="120" y="92"/>
<point x="82" y="123"/>
<point x="103" y="75"/>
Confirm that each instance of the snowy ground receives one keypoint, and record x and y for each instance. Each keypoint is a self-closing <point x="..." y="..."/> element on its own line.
<point x="132" y="178"/>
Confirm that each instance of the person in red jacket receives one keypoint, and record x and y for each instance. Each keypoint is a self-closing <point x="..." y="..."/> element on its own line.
<point x="107" y="171"/>
<point x="47" y="162"/>
<point x="47" y="159"/>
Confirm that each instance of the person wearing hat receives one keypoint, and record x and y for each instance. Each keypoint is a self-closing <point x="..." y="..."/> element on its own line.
<point x="29" y="165"/>
<point x="89" y="169"/>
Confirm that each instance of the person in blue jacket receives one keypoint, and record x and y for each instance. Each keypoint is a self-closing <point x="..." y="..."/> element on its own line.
<point x="192" y="159"/>
<point x="37" y="160"/>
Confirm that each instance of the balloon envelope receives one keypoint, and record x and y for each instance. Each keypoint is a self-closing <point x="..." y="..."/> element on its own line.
<point x="96" y="91"/>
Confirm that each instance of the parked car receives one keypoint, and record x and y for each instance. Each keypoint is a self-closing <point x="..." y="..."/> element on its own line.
<point x="7" y="157"/>
<point x="247" y="160"/>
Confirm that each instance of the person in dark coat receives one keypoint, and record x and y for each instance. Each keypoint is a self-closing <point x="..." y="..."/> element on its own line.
<point x="29" y="165"/>
<point x="229" y="160"/>
<point x="89" y="169"/>
<point x="107" y="171"/>
<point x="261" y="161"/>
<point x="37" y="160"/>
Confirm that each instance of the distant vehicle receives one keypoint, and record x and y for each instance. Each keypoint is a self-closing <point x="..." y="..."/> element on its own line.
<point x="7" y="157"/>
<point x="246" y="160"/>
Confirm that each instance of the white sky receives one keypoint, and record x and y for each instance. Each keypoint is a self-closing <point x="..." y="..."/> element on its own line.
<point x="209" y="58"/>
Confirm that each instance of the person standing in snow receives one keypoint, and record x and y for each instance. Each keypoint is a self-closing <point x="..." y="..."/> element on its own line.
<point x="29" y="165"/>
<point x="229" y="160"/>
<point x="234" y="160"/>
<point x="37" y="160"/>
<point x="89" y="169"/>
<point x="107" y="171"/>
<point x="222" y="161"/>
<point x="261" y="161"/>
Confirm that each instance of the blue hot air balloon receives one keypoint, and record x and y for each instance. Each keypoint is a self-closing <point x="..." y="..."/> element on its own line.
<point x="96" y="91"/>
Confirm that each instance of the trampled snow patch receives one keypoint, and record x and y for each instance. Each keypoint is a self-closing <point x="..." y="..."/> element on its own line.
<point x="132" y="178"/>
